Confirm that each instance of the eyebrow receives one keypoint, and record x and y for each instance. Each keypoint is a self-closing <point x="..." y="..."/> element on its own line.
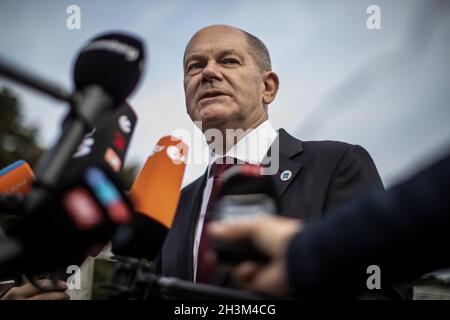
<point x="222" y="53"/>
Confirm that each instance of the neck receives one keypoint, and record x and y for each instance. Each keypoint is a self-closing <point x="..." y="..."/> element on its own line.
<point x="231" y="135"/>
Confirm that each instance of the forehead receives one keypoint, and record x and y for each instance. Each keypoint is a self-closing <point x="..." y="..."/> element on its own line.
<point x="216" y="40"/>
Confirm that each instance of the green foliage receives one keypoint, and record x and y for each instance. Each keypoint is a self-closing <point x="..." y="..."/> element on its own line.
<point x="17" y="141"/>
<point x="103" y="272"/>
<point x="128" y="174"/>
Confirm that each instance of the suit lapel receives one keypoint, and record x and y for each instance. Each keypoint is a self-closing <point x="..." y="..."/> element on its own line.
<point x="287" y="147"/>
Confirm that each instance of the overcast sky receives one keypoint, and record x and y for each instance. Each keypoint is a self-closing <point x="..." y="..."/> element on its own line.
<point x="385" y="89"/>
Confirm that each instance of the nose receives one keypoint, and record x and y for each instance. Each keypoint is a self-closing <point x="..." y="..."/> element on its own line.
<point x="211" y="72"/>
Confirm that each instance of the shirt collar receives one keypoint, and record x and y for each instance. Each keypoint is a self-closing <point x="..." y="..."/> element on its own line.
<point x="252" y="148"/>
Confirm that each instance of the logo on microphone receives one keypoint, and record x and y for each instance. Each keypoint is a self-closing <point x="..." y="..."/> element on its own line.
<point x="85" y="146"/>
<point x="175" y="155"/>
<point x="82" y="209"/>
<point x="119" y="141"/>
<point x="113" y="160"/>
<point x="130" y="53"/>
<point x="124" y="124"/>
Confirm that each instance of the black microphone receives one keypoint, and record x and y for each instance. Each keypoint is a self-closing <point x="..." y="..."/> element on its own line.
<point x="115" y="61"/>
<point x="10" y="254"/>
<point x="245" y="194"/>
<point x="12" y="204"/>
<point x="107" y="144"/>
<point x="105" y="73"/>
<point x="74" y="223"/>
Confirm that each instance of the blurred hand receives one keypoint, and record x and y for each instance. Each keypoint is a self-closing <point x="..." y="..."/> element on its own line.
<point x="271" y="236"/>
<point x="30" y="292"/>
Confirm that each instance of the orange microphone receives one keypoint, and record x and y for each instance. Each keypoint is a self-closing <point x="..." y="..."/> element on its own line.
<point x="16" y="178"/>
<point x="154" y="194"/>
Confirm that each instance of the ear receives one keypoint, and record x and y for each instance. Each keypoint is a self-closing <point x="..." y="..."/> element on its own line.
<point x="271" y="85"/>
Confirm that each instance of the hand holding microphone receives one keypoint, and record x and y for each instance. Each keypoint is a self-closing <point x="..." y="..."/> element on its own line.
<point x="76" y="221"/>
<point x="28" y="291"/>
<point x="247" y="234"/>
<point x="244" y="195"/>
<point x="270" y="236"/>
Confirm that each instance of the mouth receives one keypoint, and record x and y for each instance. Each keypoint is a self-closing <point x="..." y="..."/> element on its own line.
<point x="210" y="94"/>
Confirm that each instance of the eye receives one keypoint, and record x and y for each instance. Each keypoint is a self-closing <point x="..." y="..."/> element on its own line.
<point x="230" y="61"/>
<point x="194" y="66"/>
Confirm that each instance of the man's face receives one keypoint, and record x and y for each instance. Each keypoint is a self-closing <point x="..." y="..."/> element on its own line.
<point x="223" y="85"/>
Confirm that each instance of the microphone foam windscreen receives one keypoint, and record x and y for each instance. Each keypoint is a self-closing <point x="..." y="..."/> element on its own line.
<point x="156" y="190"/>
<point x="154" y="194"/>
<point x="114" y="61"/>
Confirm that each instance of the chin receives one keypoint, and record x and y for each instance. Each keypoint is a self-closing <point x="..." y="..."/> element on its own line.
<point x="214" y="115"/>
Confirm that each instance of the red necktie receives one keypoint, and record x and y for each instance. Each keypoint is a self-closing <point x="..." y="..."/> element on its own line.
<point x="205" y="270"/>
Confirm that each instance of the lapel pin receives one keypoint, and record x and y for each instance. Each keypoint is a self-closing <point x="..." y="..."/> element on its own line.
<point x="286" y="175"/>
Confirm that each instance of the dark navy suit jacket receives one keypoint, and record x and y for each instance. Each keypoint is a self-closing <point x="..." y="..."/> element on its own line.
<point x="324" y="175"/>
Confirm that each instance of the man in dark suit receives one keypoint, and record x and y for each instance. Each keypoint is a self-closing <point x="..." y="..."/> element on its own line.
<point x="404" y="232"/>
<point x="229" y="83"/>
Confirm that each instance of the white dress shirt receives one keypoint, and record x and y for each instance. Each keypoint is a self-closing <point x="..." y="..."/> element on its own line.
<point x="252" y="149"/>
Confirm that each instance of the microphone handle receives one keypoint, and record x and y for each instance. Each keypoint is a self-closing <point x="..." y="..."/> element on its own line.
<point x="235" y="252"/>
<point x="240" y="208"/>
<point x="181" y="288"/>
<point x="87" y="112"/>
<point x="12" y="204"/>
<point x="39" y="84"/>
<point x="10" y="258"/>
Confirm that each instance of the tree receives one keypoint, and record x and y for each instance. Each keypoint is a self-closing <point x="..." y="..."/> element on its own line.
<point x="17" y="141"/>
<point x="128" y="174"/>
